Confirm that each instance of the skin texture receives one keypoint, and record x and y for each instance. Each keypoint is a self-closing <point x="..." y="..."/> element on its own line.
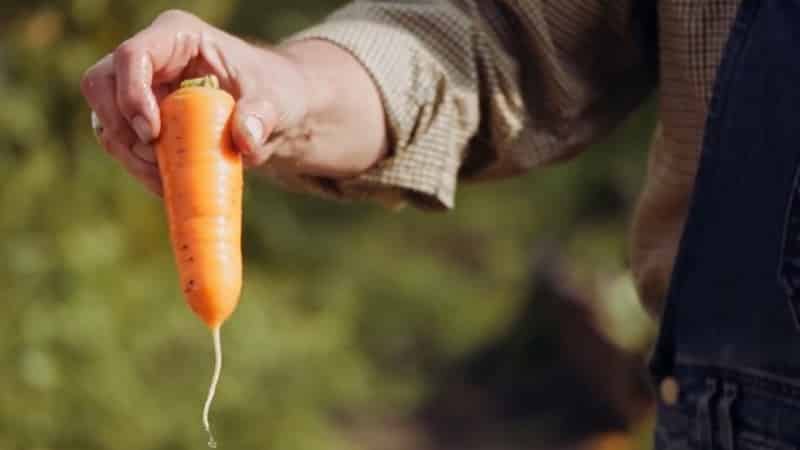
<point x="307" y="108"/>
<point x="202" y="180"/>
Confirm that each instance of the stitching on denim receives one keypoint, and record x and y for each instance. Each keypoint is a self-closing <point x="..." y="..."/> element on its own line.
<point x="724" y="415"/>
<point x="781" y="388"/>
<point x="705" y="427"/>
<point x="692" y="362"/>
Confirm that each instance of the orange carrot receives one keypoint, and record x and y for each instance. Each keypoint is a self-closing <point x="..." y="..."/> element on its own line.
<point x="202" y="177"/>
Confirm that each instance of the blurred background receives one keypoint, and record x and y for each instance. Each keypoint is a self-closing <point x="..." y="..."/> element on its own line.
<point x="509" y="323"/>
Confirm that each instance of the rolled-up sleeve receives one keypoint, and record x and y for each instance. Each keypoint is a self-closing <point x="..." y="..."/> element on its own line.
<point x="483" y="89"/>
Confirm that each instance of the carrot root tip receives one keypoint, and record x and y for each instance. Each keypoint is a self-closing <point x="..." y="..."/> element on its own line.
<point x="213" y="387"/>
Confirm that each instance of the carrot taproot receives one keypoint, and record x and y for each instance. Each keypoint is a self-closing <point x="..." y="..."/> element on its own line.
<point x="202" y="177"/>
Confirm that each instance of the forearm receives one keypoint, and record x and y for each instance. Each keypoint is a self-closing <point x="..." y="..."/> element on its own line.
<point x="344" y="132"/>
<point x="474" y="89"/>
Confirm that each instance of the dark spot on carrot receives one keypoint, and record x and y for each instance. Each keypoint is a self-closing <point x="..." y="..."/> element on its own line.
<point x="185" y="247"/>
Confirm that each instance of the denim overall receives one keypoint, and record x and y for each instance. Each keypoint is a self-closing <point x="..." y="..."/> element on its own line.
<point x="730" y="340"/>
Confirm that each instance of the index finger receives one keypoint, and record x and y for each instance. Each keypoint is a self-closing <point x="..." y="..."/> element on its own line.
<point x="156" y="54"/>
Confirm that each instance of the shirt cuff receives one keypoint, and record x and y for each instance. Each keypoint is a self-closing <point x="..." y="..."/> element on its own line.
<point x="422" y="167"/>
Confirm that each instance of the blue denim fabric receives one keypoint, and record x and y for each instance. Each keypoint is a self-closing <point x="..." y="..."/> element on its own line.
<point x="731" y="331"/>
<point x="730" y="408"/>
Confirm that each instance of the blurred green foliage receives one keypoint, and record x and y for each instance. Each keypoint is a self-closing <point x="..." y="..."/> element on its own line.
<point x="346" y="311"/>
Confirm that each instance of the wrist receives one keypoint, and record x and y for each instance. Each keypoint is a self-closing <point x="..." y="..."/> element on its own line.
<point x="344" y="108"/>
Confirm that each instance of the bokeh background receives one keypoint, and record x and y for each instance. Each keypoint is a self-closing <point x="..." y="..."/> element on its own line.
<point x="508" y="323"/>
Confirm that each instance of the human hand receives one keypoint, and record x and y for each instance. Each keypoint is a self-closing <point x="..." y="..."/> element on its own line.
<point x="279" y="93"/>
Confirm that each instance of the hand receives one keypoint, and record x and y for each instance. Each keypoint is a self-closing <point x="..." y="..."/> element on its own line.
<point x="286" y="94"/>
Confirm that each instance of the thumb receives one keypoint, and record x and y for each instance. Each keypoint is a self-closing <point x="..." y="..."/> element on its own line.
<point x="253" y="122"/>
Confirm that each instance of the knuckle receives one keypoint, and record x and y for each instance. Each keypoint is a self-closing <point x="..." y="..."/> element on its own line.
<point x="142" y="170"/>
<point x="118" y="132"/>
<point x="92" y="79"/>
<point x="89" y="81"/>
<point x="130" y="99"/>
<point x="116" y="127"/>
<point x="109" y="144"/>
<point x="126" y="53"/>
<point x="86" y="84"/>
<point x="112" y="135"/>
<point x="174" y="14"/>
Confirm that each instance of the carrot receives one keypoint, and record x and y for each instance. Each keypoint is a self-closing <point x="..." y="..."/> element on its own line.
<point x="202" y="177"/>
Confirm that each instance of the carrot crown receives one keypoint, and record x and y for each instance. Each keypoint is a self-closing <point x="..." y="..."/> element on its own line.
<point x="206" y="81"/>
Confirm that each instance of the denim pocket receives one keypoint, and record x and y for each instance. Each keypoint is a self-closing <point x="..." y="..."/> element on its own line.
<point x="789" y="263"/>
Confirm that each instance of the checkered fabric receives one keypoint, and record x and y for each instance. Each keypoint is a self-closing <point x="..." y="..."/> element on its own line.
<point x="491" y="88"/>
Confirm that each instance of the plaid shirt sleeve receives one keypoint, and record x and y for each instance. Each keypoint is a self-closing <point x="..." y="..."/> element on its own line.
<point x="483" y="89"/>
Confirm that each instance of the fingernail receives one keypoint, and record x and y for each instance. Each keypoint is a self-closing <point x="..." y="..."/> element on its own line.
<point x="254" y="129"/>
<point x="144" y="152"/>
<point x="142" y="129"/>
